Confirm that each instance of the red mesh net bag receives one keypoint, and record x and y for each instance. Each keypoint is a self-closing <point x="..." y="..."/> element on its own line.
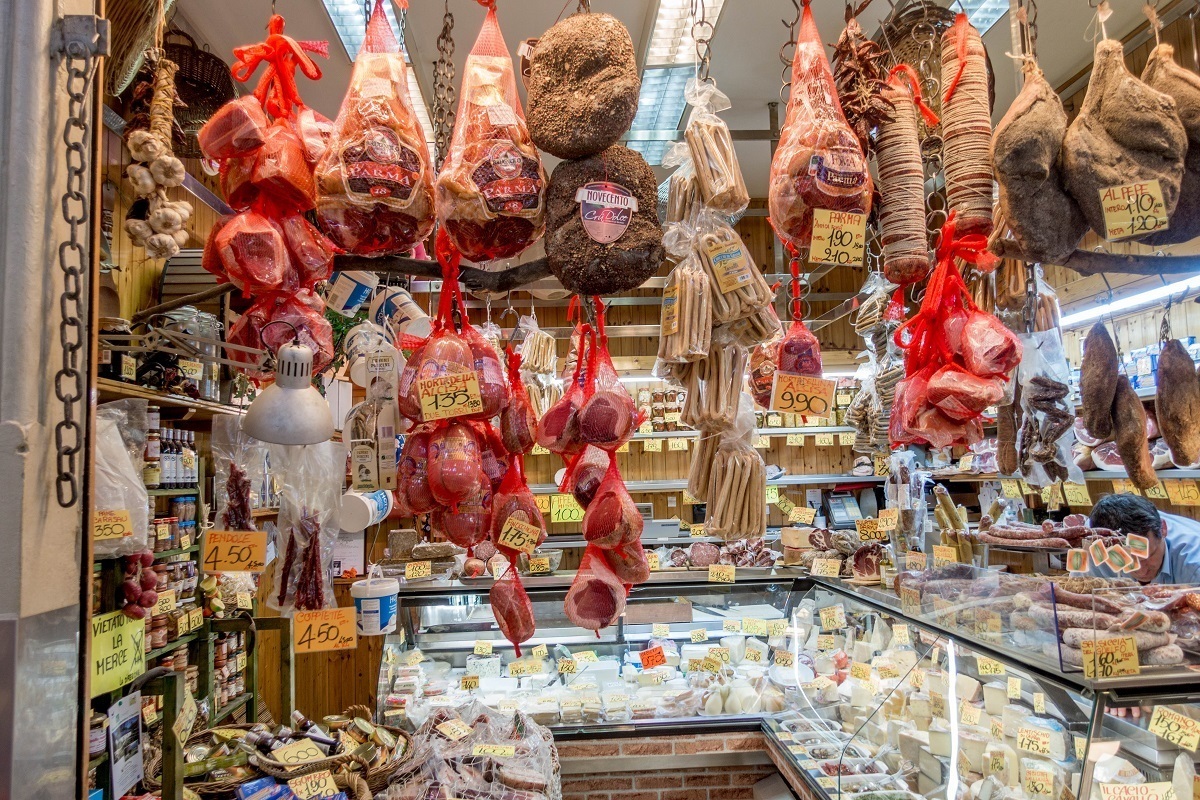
<point x="374" y="183"/>
<point x="469" y="521"/>
<point x="629" y="563"/>
<point x="238" y="128"/>
<point x="612" y="519"/>
<point x="314" y="130"/>
<point x="608" y="416"/>
<point x="252" y="252"/>
<point x="281" y="174"/>
<point x="585" y="473"/>
<point x="455" y="464"/>
<point x="514" y="501"/>
<point x="762" y="372"/>
<point x="312" y="253"/>
<point x="518" y="422"/>
<point x="819" y="162"/>
<point x="512" y="608"/>
<point x="210" y="259"/>
<point x="491" y="189"/>
<point x="597" y="596"/>
<point x="237" y="182"/>
<point x="493" y="385"/>
<point x="304" y="311"/>
<point x="245" y="332"/>
<point x="558" y="429"/>
<point x="956" y="355"/>
<point x="493" y="456"/>
<point x="799" y="351"/>
<point x="413" y="472"/>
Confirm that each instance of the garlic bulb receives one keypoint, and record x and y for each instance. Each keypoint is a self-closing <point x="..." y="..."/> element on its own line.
<point x="161" y="245"/>
<point x="138" y="229"/>
<point x="181" y="238"/>
<point x="165" y="219"/>
<point x="145" y="146"/>
<point x="168" y="171"/>
<point x="142" y="180"/>
<point x="183" y="208"/>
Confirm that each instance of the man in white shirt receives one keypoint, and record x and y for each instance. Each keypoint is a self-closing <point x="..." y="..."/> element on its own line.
<point x="1174" y="540"/>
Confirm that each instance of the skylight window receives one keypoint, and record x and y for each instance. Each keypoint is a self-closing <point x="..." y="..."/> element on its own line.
<point x="660" y="108"/>
<point x="671" y="41"/>
<point x="983" y="14"/>
<point x="349" y="18"/>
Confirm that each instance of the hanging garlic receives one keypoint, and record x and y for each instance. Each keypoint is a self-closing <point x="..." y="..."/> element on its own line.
<point x="161" y="245"/>
<point x="183" y="208"/>
<point x="165" y="219"/>
<point x="139" y="230"/>
<point x="181" y="238"/>
<point x="145" y="146"/>
<point x="142" y="180"/>
<point x="168" y="171"/>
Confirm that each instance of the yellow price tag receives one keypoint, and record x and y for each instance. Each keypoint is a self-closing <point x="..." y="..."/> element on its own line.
<point x="1014" y="688"/>
<point x="731" y="626"/>
<point x="845" y="439"/>
<point x="699" y="635"/>
<point x="469" y="683"/>
<point x="1133" y="209"/>
<point x="827" y="567"/>
<point x="795" y="440"/>
<point x="677" y="443"/>
<point x="585" y="657"/>
<point x="968" y="714"/>
<point x="245" y="601"/>
<point x="539" y="565"/>
<point x="1175" y="728"/>
<point x="565" y="508"/>
<point x="803" y="515"/>
<point x="1183" y="493"/>
<point x="660" y="630"/>
<point x="990" y="666"/>
<point x="1010" y="488"/>
<point x="1157" y="492"/>
<point x="838" y="237"/>
<point x="454" y="729"/>
<point x="888" y="519"/>
<point x="944" y="554"/>
<point x="900" y="636"/>
<point x="1110" y="658"/>
<point x="520" y="536"/>
<point x="539" y="651"/>
<point x="824" y="439"/>
<point x="1039" y="703"/>
<point x="166" y="602"/>
<point x="868" y="528"/>
<point x="860" y="671"/>
<point x="784" y="658"/>
<point x="784" y="504"/>
<point x="417" y="569"/>
<point x="538" y="450"/>
<point x="696" y="530"/>
<point x="1034" y="740"/>
<point x="883" y="466"/>
<point x="652" y="446"/>
<point x="234" y="551"/>
<point x="543" y="503"/>
<point x="721" y="573"/>
<point x="1077" y="494"/>
<point x="455" y="394"/>
<point x="833" y="617"/>
<point x="315" y="784"/>
<point x="497" y="750"/>
<point x="915" y="560"/>
<point x="301" y="751"/>
<point x="772" y="495"/>
<point x="567" y="666"/>
<point x="754" y="627"/>
<point x="802" y="394"/>
<point x="1039" y="782"/>
<point x="326" y="629"/>
<point x="114" y="524"/>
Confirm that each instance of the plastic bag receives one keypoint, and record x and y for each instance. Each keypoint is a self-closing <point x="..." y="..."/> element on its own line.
<point x="762" y="372"/>
<point x="713" y="156"/>
<point x="237" y="128"/>
<point x="819" y="162"/>
<point x="737" y="486"/>
<point x="760" y="327"/>
<point x="312" y="253"/>
<point x="1045" y="441"/>
<point x="492" y="454"/>
<point x="374" y="184"/>
<point x="312" y="478"/>
<point x="686" y="320"/>
<point x="612" y="518"/>
<point x="597" y="596"/>
<point x="413" y="471"/>
<point x="538" y="351"/>
<point x="314" y="131"/>
<point x="683" y="201"/>
<point x="518" y="423"/>
<point x="252" y="253"/>
<point x="493" y="386"/>
<point x="491" y="188"/>
<point x="905" y="491"/>
<point x="714" y="385"/>
<point x="608" y="416"/>
<point x="281" y="173"/>
<point x="455" y="464"/>
<point x="738" y="287"/>
<point x="236" y="456"/>
<point x="700" y="471"/>
<point x="799" y="351"/>
<point x="117" y="484"/>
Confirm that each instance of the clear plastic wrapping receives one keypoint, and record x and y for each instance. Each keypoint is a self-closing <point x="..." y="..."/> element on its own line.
<point x="737" y="489"/>
<point x="312" y="477"/>
<point x="714" y="385"/>
<point x="738" y="287"/>
<point x="236" y="456"/>
<point x="1045" y="439"/>
<point x="117" y="484"/>
<point x="714" y="159"/>
<point x="686" y="320"/>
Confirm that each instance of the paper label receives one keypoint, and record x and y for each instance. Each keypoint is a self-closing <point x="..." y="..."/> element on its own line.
<point x="112" y="524"/>
<point x="519" y="535"/>
<point x="455" y="394"/>
<point x="245" y="601"/>
<point x="417" y="569"/>
<point x="469" y="683"/>
<point x="915" y="560"/>
<point x="731" y="626"/>
<point x="720" y="653"/>
<point x="192" y="370"/>
<point x="654" y="657"/>
<point x="541" y="565"/>
<point x="802" y="394"/>
<point x="730" y="264"/>
<point x="754" y="627"/>
<point x="670" y="310"/>
<point x="699" y="635"/>
<point x="754" y="655"/>
<point x="794" y="440"/>
<point x="776" y="627"/>
<point x="128" y="368"/>
<point x="538" y="450"/>
<point x="721" y="573"/>
<point x="1077" y="560"/>
<point x="900" y="637"/>
<point x="838" y="237"/>
<point x="1139" y="791"/>
<point x="784" y="504"/>
<point x="195" y="619"/>
<point x="518" y="668"/>
<point x="784" y="658"/>
<point x="888" y="518"/>
<point x="677" y="443"/>
<point x="824" y="439"/>
<point x="860" y="671"/>
<point x="1039" y="703"/>
<point x="187" y="717"/>
<point x="868" y="528"/>
<point x="803" y="515"/>
<point x="1014" y="688"/>
<point x="166" y="602"/>
<point x="883" y="466"/>
<point x="326" y="629"/>
<point x="1110" y="658"/>
<point x="1182" y="492"/>
<point x="944" y="554"/>
<point x="845" y="439"/>
<point x="660" y="630"/>
<point x="1034" y="740"/>
<point x="585" y="657"/>
<point x="606" y="209"/>
<point x="833" y="617"/>
<point x="316" y="784"/>
<point x="565" y="508"/>
<point x="1133" y="209"/>
<point x="968" y="713"/>
<point x="1039" y="782"/>
<point x="483" y="647"/>
<point x="567" y="666"/>
<point x="1175" y="728"/>
<point x="234" y="551"/>
<point x="827" y="567"/>
<point x="540" y="651"/>
<point x="454" y="729"/>
<point x="1010" y="488"/>
<point x="300" y="751"/>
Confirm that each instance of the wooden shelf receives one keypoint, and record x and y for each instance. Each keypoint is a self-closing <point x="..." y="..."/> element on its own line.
<point x="176" y="552"/>
<point x="231" y="707"/>
<point x="650" y="487"/>
<point x="265" y="512"/>
<point x="186" y="639"/>
<point x="108" y="389"/>
<point x="172" y="492"/>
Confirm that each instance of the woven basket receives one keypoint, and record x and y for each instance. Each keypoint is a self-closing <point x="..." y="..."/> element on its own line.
<point x="132" y="27"/>
<point x="203" y="83"/>
<point x="218" y="790"/>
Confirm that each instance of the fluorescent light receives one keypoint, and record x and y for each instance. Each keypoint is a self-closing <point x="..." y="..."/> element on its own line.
<point x="1131" y="303"/>
<point x="671" y="41"/>
<point x="983" y="14"/>
<point x="417" y="99"/>
<point x="660" y="107"/>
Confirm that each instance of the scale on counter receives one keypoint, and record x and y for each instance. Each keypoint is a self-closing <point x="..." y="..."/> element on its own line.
<point x="841" y="509"/>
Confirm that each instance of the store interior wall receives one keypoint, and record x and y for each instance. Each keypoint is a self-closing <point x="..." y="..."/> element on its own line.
<point x="39" y="540"/>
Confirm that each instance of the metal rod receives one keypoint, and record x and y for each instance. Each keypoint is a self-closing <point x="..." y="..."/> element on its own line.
<point x="187" y="300"/>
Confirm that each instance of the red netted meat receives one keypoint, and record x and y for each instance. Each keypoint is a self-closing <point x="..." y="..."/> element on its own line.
<point x="596" y="597"/>
<point x="511" y="606"/>
<point x="629" y="563"/>
<point x="612" y="518"/>
<point x="455" y="466"/>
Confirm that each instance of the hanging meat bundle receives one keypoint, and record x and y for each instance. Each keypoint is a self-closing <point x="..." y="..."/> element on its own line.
<point x="1183" y="86"/>
<point x="967" y="127"/>
<point x="491" y="189"/>
<point x="375" y="183"/>
<point x="267" y="144"/>
<point x="957" y="356"/>
<point x="819" y="162"/>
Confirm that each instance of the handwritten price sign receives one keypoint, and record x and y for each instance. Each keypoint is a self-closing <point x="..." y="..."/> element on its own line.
<point x="234" y="551"/>
<point x="453" y="395"/>
<point x="1110" y="658"/>
<point x="519" y="535"/>
<point x="839" y="237"/>
<point x="565" y="508"/>
<point x="1133" y="209"/>
<point x="1175" y="728"/>
<point x="802" y="394"/>
<point x="112" y="524"/>
<point x="326" y="629"/>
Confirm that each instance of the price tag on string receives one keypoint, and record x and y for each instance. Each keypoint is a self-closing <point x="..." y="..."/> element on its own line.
<point x="803" y="515"/>
<point x="454" y="729"/>
<point x="519" y="535"/>
<point x="1133" y="209"/>
<point x="838" y="237"/>
<point x="326" y="629"/>
<point x="113" y="524"/>
<point x="453" y="395"/>
<point x="652" y="446"/>
<point x="565" y="508"/>
<point x="1138" y="546"/>
<point x="802" y="394"/>
<point x="234" y="551"/>
<point x="1010" y="488"/>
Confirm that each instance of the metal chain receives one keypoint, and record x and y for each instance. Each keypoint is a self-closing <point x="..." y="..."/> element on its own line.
<point x="702" y="32"/>
<point x="73" y="261"/>
<point x="443" y="87"/>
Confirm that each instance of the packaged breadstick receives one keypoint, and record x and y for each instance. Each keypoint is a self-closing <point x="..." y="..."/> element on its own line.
<point x="714" y="385"/>
<point x="738" y="288"/>
<point x="686" y="321"/>
<point x="737" y="484"/>
<point x="718" y="175"/>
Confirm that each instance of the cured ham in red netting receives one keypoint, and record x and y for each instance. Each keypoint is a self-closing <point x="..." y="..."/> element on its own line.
<point x="611" y="518"/>
<point x="819" y="162"/>
<point x="597" y="596"/>
<point x="514" y="501"/>
<point x="374" y="184"/>
<point x="957" y="356"/>
<point x="558" y="429"/>
<point x="512" y="607"/>
<point x="304" y="311"/>
<point x="518" y="422"/>
<point x="491" y="190"/>
<point x="608" y="416"/>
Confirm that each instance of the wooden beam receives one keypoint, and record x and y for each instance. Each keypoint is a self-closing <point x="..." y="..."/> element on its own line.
<point x="1091" y="262"/>
<point x="471" y="277"/>
<point x="187" y="300"/>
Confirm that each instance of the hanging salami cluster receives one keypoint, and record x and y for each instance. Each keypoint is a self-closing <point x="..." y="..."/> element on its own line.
<point x="266" y="144"/>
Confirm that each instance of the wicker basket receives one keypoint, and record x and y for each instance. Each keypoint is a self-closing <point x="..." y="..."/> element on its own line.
<point x="203" y="84"/>
<point x="218" y="790"/>
<point x="132" y="26"/>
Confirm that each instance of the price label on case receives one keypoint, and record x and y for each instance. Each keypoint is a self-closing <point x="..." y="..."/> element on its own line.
<point x="860" y="671"/>
<point x="540" y="651"/>
<point x="112" y="524"/>
<point x="845" y="439"/>
<point x="833" y="617"/>
<point x="1034" y="740"/>
<point x="483" y="647"/>
<point x="567" y="666"/>
<point x="1110" y="658"/>
<point x="541" y="566"/>
<point x="827" y="567"/>
<point x="900" y="636"/>
<point x="1039" y="703"/>
<point x="565" y="508"/>
<point x="989" y="666"/>
<point x="1039" y="782"/>
<point x="824" y="439"/>
<point x="325" y="629"/>
<point x="1175" y="728"/>
<point x="802" y="394"/>
<point x="652" y="446"/>
<point x="699" y="635"/>
<point x="784" y="658"/>
<point x="469" y="683"/>
<point x="838" y="237"/>
<point x="454" y="729"/>
<point x="731" y="625"/>
<point x="677" y="443"/>
<point x="803" y="515"/>
<point x="1133" y="209"/>
<point x="654" y="657"/>
<point x="754" y="655"/>
<point x="721" y="573"/>
<point x="455" y="394"/>
<point x="754" y="627"/>
<point x="234" y="551"/>
<point x="417" y="569"/>
<point x="795" y="440"/>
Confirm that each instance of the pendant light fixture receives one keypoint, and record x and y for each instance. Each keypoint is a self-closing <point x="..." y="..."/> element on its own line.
<point x="290" y="410"/>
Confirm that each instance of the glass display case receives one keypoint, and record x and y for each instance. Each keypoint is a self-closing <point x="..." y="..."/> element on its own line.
<point x="862" y="695"/>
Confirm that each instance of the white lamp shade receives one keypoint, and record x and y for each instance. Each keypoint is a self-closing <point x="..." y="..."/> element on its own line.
<point x="290" y="410"/>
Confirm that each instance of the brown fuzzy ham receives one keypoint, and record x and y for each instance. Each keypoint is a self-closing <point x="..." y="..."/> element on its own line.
<point x="612" y="518"/>
<point x="1177" y="406"/>
<point x="1182" y="86"/>
<point x="967" y="127"/>
<point x="512" y="608"/>
<point x="629" y="563"/>
<point x="597" y="596"/>
<point x="1129" y="417"/>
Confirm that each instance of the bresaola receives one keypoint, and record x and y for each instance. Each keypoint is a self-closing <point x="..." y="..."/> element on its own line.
<point x="597" y="596"/>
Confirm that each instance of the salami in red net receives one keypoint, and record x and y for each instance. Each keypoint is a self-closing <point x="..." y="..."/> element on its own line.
<point x="374" y="183"/>
<point x="819" y="162"/>
<point x="491" y="189"/>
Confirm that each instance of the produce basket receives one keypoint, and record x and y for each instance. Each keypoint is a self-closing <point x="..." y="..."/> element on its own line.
<point x="219" y="790"/>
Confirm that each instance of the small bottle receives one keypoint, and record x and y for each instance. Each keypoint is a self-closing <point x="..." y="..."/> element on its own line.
<point x="168" y="459"/>
<point x="194" y="469"/>
<point x="176" y="460"/>
<point x="153" y="418"/>
<point x="151" y="469"/>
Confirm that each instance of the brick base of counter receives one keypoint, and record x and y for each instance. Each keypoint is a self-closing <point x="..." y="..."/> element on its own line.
<point x="695" y="767"/>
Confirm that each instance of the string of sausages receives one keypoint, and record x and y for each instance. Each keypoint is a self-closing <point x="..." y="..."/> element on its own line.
<point x="967" y="127"/>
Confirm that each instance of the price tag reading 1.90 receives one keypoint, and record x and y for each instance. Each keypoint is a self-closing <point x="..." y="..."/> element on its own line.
<point x="326" y="629"/>
<point x="838" y="238"/>
<point x="234" y="551"/>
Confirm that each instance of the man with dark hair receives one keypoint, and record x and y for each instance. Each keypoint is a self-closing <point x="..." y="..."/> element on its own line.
<point x="1174" y="541"/>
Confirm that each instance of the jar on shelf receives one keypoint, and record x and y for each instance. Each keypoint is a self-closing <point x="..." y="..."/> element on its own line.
<point x="153" y="418"/>
<point x="116" y="365"/>
<point x="158" y="631"/>
<point x="151" y="469"/>
<point x="167" y="661"/>
<point x="97" y="735"/>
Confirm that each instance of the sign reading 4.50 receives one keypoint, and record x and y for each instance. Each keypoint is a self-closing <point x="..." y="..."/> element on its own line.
<point x="802" y="394"/>
<point x="234" y="551"/>
<point x="326" y="629"/>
